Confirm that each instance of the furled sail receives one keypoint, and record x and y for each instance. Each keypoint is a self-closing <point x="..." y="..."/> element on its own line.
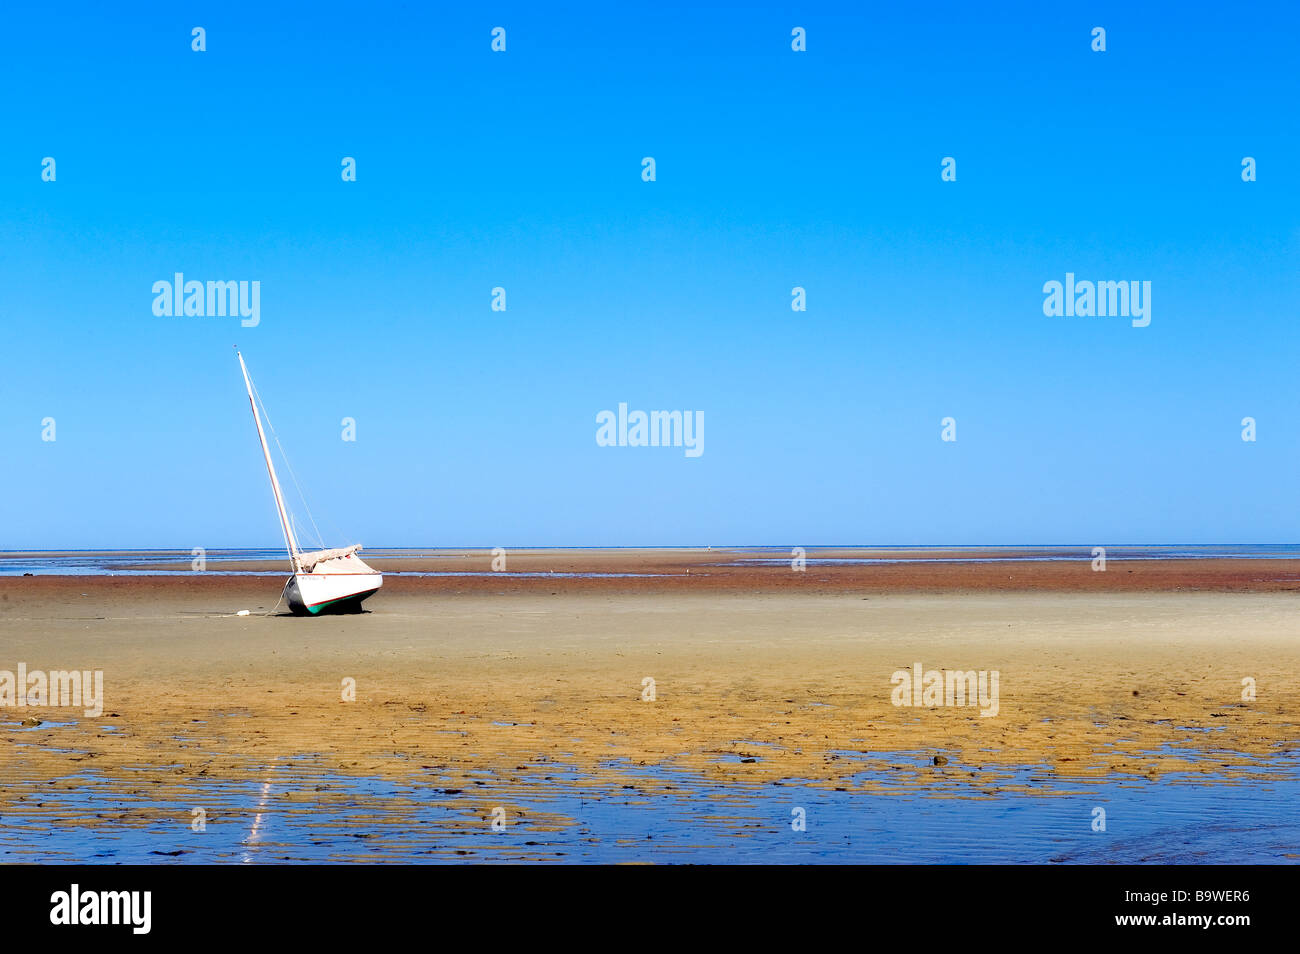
<point x="341" y="560"/>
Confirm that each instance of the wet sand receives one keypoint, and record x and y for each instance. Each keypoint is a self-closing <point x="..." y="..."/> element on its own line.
<point x="761" y="675"/>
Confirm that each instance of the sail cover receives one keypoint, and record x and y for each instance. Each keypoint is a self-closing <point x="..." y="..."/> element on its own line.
<point x="342" y="560"/>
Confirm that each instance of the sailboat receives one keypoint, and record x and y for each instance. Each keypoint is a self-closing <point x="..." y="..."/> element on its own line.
<point x="325" y="581"/>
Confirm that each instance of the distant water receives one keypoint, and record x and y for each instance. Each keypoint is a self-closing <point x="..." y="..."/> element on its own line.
<point x="1215" y="551"/>
<point x="114" y="562"/>
<point x="121" y="562"/>
<point x="126" y="563"/>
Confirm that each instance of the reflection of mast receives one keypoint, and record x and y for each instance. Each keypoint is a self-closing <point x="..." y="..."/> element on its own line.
<point x="289" y="540"/>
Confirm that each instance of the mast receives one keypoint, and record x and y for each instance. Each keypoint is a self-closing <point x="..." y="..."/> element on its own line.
<point x="289" y="540"/>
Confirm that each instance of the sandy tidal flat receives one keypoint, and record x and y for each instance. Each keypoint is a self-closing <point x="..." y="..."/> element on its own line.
<point x="489" y="692"/>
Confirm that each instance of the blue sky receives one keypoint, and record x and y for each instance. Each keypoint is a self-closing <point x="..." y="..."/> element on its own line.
<point x="774" y="169"/>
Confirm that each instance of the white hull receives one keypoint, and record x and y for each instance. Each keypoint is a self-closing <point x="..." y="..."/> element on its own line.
<point x="310" y="594"/>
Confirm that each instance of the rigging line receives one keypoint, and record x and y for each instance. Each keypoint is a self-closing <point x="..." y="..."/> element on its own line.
<point x="341" y="536"/>
<point x="278" y="602"/>
<point x="289" y="467"/>
<point x="319" y="539"/>
<point x="294" y="521"/>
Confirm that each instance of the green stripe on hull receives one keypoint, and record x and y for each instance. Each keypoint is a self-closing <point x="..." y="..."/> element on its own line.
<point x="315" y="610"/>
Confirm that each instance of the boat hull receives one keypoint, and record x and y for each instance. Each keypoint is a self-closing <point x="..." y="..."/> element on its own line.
<point x="321" y="594"/>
